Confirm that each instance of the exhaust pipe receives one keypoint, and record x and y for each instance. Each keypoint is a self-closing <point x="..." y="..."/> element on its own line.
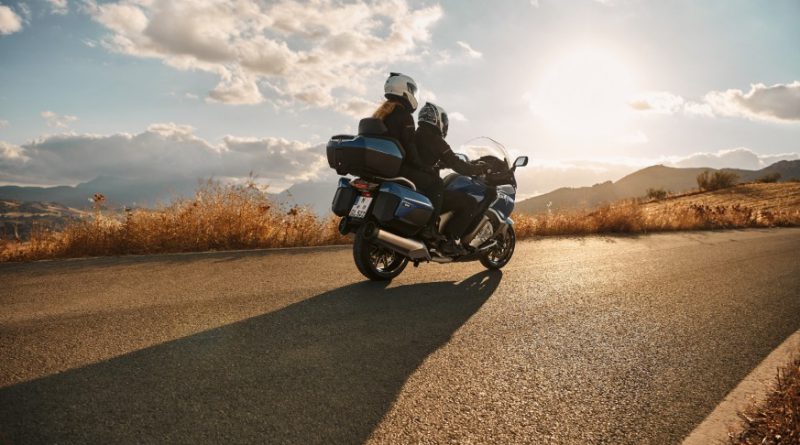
<point x="413" y="249"/>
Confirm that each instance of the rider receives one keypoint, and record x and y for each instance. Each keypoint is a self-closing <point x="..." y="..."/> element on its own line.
<point x="433" y="150"/>
<point x="396" y="114"/>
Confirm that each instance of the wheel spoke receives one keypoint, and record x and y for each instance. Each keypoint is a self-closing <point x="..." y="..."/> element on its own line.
<point x="383" y="259"/>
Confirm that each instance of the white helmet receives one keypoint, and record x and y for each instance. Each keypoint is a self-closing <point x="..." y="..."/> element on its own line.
<point x="402" y="87"/>
<point x="436" y="116"/>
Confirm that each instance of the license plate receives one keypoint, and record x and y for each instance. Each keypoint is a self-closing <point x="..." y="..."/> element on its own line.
<point x="359" y="209"/>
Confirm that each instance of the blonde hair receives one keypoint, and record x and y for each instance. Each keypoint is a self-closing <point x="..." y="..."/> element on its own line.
<point x="385" y="109"/>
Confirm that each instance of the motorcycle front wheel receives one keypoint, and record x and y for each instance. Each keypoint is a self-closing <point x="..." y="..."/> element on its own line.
<point x="375" y="261"/>
<point x="501" y="254"/>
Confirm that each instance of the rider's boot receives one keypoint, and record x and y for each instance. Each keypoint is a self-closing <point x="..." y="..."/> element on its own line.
<point x="452" y="247"/>
<point x="431" y="235"/>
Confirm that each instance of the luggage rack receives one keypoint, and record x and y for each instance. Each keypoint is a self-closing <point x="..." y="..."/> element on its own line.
<point x="400" y="179"/>
<point x="373" y="179"/>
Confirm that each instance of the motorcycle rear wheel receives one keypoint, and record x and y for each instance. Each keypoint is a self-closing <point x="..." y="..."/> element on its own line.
<point x="501" y="254"/>
<point x="375" y="261"/>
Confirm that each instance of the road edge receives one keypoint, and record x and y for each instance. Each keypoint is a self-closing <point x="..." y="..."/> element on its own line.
<point x="715" y="427"/>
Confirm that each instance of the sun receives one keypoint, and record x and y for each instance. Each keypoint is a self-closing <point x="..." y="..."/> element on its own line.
<point x="583" y="94"/>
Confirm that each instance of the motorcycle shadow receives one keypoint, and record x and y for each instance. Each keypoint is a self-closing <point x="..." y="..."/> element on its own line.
<point x="324" y="370"/>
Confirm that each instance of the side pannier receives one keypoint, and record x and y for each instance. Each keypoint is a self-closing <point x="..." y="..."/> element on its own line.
<point x="401" y="209"/>
<point x="344" y="198"/>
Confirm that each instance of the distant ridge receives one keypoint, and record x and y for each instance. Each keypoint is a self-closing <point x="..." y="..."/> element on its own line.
<point x="121" y="192"/>
<point x="118" y="191"/>
<point x="672" y="179"/>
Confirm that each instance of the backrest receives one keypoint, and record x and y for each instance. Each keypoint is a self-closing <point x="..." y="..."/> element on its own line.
<point x="372" y="126"/>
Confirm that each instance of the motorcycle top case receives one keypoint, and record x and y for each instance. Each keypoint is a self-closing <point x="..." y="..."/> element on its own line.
<point x="401" y="210"/>
<point x="364" y="155"/>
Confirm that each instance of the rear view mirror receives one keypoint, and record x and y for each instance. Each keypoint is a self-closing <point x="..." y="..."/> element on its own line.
<point x="462" y="156"/>
<point x="521" y="161"/>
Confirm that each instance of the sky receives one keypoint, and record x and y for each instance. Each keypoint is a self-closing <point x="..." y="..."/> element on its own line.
<point x="590" y="90"/>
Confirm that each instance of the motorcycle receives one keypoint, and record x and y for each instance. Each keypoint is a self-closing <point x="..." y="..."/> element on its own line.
<point x="386" y="213"/>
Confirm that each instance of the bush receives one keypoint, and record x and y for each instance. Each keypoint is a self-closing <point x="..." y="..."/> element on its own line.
<point x="710" y="181"/>
<point x="769" y="177"/>
<point x="657" y="194"/>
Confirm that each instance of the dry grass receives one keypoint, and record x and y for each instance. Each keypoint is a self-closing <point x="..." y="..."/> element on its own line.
<point x="777" y="420"/>
<point x="217" y="218"/>
<point x="747" y="205"/>
<point x="242" y="217"/>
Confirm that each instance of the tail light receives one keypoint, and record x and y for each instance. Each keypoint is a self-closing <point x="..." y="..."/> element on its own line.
<point x="364" y="187"/>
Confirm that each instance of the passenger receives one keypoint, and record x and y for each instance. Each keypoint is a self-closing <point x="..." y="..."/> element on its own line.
<point x="396" y="114"/>
<point x="434" y="150"/>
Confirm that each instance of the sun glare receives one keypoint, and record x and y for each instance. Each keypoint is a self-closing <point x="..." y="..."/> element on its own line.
<point x="583" y="94"/>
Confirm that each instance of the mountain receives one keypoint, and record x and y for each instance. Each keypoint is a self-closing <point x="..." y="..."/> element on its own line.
<point x="315" y="195"/>
<point x="118" y="192"/>
<point x="147" y="193"/>
<point x="636" y="184"/>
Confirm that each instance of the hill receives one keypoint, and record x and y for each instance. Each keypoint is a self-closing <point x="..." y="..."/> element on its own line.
<point x="17" y="219"/>
<point x="635" y="185"/>
<point x="118" y="191"/>
<point x="777" y="197"/>
<point x="121" y="192"/>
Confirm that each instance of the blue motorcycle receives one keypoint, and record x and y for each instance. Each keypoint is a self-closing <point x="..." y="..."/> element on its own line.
<point x="386" y="213"/>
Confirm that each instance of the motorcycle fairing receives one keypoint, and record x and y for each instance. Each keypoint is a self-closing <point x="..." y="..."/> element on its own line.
<point x="504" y="204"/>
<point x="465" y="184"/>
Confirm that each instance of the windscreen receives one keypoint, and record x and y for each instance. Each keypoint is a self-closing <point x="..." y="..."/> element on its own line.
<point x="482" y="147"/>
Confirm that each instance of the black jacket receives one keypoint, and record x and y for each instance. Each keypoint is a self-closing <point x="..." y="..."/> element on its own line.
<point x="432" y="148"/>
<point x="400" y="123"/>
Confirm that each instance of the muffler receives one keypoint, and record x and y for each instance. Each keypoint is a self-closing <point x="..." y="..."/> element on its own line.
<point x="413" y="249"/>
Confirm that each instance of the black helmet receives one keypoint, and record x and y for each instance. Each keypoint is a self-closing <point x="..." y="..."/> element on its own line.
<point x="434" y="115"/>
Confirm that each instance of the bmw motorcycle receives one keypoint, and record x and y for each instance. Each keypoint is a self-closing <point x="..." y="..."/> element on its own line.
<point x="386" y="213"/>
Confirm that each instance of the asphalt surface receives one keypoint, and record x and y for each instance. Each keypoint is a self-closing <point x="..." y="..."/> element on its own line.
<point x="595" y="340"/>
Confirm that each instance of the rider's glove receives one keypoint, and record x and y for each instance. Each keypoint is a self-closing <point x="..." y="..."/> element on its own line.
<point x="483" y="167"/>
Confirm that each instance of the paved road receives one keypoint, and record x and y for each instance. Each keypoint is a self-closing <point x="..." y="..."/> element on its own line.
<point x="597" y="340"/>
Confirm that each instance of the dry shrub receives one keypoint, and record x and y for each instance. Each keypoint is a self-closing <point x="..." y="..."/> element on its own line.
<point x="777" y="420"/>
<point x="717" y="180"/>
<point x="769" y="178"/>
<point x="656" y="194"/>
<point x="219" y="217"/>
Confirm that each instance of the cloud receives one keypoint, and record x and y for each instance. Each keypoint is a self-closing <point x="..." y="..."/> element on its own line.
<point x="740" y="157"/>
<point x="777" y="102"/>
<point x="10" y="153"/>
<point x="3" y="123"/>
<point x="663" y="102"/>
<point x="457" y="117"/>
<point x="163" y="151"/>
<point x="471" y="52"/>
<point x="57" y="121"/>
<point x="359" y="108"/>
<point x="25" y="12"/>
<point x="60" y="7"/>
<point x="318" y="53"/>
<point x="10" y="22"/>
